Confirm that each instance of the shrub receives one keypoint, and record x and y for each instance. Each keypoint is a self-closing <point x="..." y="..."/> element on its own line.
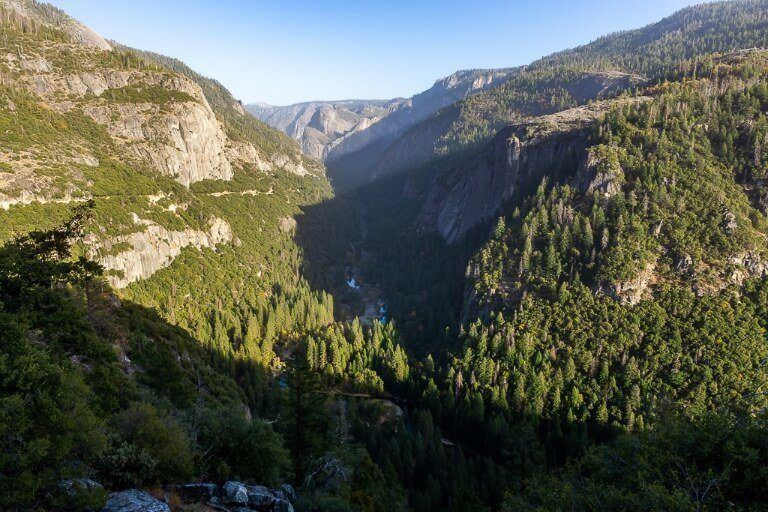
<point x="236" y="447"/>
<point x="159" y="437"/>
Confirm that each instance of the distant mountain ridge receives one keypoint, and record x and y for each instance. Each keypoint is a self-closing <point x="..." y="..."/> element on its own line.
<point x="318" y="124"/>
<point x="345" y="131"/>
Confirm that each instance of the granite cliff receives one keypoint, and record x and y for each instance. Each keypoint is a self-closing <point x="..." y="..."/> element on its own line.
<point x="512" y="165"/>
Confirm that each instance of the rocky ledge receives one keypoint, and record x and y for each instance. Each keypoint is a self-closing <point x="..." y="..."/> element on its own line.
<point x="231" y="497"/>
<point x="153" y="248"/>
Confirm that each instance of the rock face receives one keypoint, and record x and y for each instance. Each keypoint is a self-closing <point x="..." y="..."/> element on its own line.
<point x="180" y="138"/>
<point x="597" y="174"/>
<point x="153" y="248"/>
<point x="113" y="124"/>
<point x="28" y="197"/>
<point x="134" y="501"/>
<point x="186" y="142"/>
<point x="425" y="140"/>
<point x="633" y="290"/>
<point x="319" y="125"/>
<point x="444" y="92"/>
<point x="514" y="163"/>
<point x="747" y="265"/>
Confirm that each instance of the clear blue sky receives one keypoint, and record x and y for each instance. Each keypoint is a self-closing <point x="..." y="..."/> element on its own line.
<point x="285" y="51"/>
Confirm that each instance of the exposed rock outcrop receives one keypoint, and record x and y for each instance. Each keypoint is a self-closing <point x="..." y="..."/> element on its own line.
<point x="26" y="197"/>
<point x="598" y="173"/>
<point x="287" y="224"/>
<point x="633" y="290"/>
<point x="53" y="86"/>
<point x="134" y="500"/>
<point x="444" y="92"/>
<point x="747" y="265"/>
<point x="153" y="248"/>
<point x="426" y="140"/>
<point x="179" y="138"/>
<point x="185" y="141"/>
<point x="237" y="496"/>
<point x="319" y="125"/>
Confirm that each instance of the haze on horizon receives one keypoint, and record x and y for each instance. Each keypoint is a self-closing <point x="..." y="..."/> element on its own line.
<point x="283" y="52"/>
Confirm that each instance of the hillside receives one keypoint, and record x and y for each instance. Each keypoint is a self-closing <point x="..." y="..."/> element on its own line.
<point x="154" y="320"/>
<point x="598" y="70"/>
<point x="584" y="257"/>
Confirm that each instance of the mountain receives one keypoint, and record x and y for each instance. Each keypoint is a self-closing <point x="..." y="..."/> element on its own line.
<point x="156" y="304"/>
<point x="351" y="134"/>
<point x="581" y="252"/>
<point x="512" y="165"/>
<point x="155" y="143"/>
<point x="547" y="292"/>
<point x="319" y="125"/>
<point x="458" y="135"/>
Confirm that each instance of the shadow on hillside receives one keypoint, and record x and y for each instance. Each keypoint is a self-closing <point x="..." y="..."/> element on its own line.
<point x="173" y="362"/>
<point x="370" y="234"/>
<point x="330" y="237"/>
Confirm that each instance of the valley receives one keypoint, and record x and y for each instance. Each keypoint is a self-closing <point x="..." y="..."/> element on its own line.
<point x="541" y="287"/>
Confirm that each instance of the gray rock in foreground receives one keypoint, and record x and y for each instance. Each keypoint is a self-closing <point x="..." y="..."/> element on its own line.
<point x="134" y="500"/>
<point x="198" y="492"/>
<point x="256" y="497"/>
<point x="235" y="493"/>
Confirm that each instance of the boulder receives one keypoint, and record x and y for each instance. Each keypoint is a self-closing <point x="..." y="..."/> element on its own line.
<point x="239" y="497"/>
<point x="134" y="500"/>
<point x="81" y="494"/>
<point x="235" y="493"/>
<point x="286" y="492"/>
<point x="281" y="505"/>
<point x="193" y="493"/>
<point x="260" y="498"/>
<point x="684" y="263"/>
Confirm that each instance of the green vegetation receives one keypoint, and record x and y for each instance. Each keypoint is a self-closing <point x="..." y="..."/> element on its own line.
<point x="601" y="345"/>
<point x="355" y="356"/>
<point x="611" y="342"/>
<point x="157" y="95"/>
<point x="683" y="44"/>
<point x="69" y="408"/>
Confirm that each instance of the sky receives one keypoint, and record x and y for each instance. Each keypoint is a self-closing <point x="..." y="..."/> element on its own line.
<point x="288" y="51"/>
